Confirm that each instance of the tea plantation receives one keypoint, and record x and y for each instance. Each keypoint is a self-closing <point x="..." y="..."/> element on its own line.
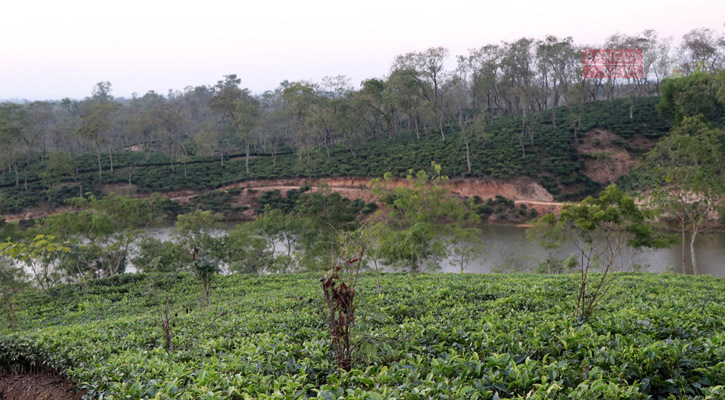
<point x="424" y="336"/>
<point x="550" y="158"/>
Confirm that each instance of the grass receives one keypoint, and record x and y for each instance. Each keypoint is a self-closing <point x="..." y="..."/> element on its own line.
<point x="439" y="336"/>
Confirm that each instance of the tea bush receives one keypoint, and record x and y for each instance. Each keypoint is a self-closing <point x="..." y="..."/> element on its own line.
<point x="420" y="337"/>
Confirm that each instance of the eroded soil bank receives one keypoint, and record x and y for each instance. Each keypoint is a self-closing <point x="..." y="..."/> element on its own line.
<point x="522" y="190"/>
<point x="37" y="386"/>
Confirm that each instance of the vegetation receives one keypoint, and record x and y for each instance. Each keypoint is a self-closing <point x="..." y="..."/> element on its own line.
<point x="424" y="220"/>
<point x="601" y="228"/>
<point x="686" y="171"/>
<point x="507" y="111"/>
<point x="552" y="160"/>
<point x="420" y="336"/>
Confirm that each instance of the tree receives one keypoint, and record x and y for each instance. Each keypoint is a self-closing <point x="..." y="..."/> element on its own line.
<point x="689" y="96"/>
<point x="39" y="254"/>
<point x="429" y="74"/>
<point x="406" y="93"/>
<point x="553" y="56"/>
<point x="238" y="112"/>
<point x="379" y="236"/>
<point x="96" y="122"/>
<point x="12" y="282"/>
<point x="549" y="235"/>
<point x="465" y="245"/>
<point x="422" y="215"/>
<point x="144" y="120"/>
<point x="375" y="96"/>
<point x="321" y="217"/>
<point x="40" y="118"/>
<point x="700" y="50"/>
<point x="12" y="123"/>
<point x="274" y="226"/>
<point x="155" y="255"/>
<point x="685" y="170"/>
<point x="476" y="130"/>
<point x="245" y="250"/>
<point x="601" y="228"/>
<point x="273" y="129"/>
<point x="205" y="267"/>
<point x="99" y="236"/>
<point x="195" y="230"/>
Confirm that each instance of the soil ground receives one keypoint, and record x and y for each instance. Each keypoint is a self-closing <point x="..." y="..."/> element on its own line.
<point x="37" y="386"/>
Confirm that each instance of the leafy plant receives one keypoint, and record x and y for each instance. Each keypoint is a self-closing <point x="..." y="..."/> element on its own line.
<point x="205" y="267"/>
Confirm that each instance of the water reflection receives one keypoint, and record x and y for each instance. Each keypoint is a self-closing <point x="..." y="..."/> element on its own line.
<point x="507" y="249"/>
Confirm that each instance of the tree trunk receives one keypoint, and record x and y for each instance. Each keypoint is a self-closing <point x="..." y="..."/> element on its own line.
<point x="110" y="156"/>
<point x="523" y="148"/>
<point x="468" y="156"/>
<point x="17" y="175"/>
<point x="692" y="249"/>
<point x="246" y="158"/>
<point x="682" y="225"/>
<point x="12" y="319"/>
<point x="100" y="168"/>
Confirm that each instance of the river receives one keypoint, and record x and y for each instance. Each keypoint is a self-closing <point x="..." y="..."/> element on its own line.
<point x="506" y="249"/>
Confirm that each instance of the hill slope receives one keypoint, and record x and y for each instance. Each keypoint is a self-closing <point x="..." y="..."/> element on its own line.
<point x="424" y="336"/>
<point x="553" y="157"/>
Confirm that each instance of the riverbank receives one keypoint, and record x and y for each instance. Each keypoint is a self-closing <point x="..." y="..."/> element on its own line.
<point x="521" y="190"/>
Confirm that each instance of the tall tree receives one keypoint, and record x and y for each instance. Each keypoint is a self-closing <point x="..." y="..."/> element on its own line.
<point x="237" y="110"/>
<point x="686" y="170"/>
<point x="95" y="121"/>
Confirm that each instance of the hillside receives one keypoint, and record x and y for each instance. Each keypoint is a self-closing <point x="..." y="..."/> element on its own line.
<point x="553" y="158"/>
<point x="422" y="336"/>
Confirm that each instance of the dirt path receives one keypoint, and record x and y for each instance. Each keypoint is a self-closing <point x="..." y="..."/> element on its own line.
<point x="36" y="386"/>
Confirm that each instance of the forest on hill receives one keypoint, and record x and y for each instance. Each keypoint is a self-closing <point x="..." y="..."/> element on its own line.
<point x="551" y="158"/>
<point x="509" y="109"/>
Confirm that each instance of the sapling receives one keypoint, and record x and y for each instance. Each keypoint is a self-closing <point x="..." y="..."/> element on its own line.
<point x="601" y="228"/>
<point x="205" y="268"/>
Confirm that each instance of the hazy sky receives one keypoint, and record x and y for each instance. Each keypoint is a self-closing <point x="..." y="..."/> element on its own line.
<point x="55" y="49"/>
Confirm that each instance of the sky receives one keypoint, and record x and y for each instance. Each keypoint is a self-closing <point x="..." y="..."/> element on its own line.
<point x="55" y="49"/>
